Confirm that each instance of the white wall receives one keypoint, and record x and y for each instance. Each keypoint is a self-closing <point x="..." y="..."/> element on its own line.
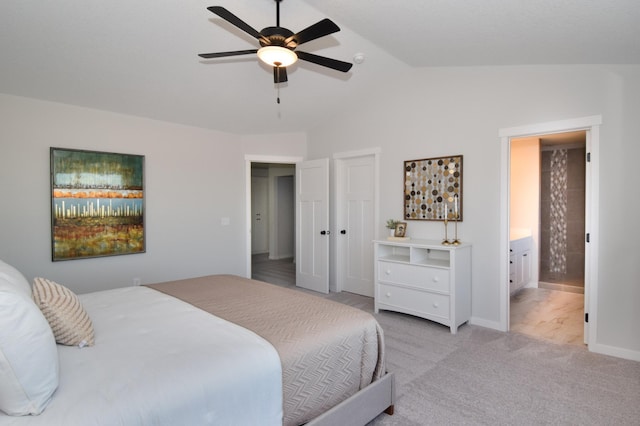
<point x="424" y="113"/>
<point x="184" y="165"/>
<point x="436" y="112"/>
<point x="525" y="197"/>
<point x="284" y="217"/>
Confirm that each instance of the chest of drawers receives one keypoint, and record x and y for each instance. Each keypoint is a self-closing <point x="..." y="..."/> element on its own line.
<point x="425" y="279"/>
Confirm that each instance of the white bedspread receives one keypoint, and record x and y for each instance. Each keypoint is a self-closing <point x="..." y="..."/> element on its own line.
<point x="161" y="361"/>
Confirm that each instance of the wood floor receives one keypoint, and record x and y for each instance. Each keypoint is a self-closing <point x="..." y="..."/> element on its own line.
<point x="543" y="313"/>
<point x="280" y="272"/>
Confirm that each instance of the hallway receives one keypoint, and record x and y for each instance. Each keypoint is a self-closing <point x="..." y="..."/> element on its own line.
<point x="281" y="272"/>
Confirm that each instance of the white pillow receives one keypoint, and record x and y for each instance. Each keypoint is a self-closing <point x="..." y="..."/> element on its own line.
<point x="11" y="278"/>
<point x="28" y="355"/>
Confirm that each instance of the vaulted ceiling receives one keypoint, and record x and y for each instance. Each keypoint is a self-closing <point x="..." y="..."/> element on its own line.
<point x="140" y="57"/>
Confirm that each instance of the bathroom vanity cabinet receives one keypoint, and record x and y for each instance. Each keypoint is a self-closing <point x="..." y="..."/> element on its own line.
<point x="519" y="263"/>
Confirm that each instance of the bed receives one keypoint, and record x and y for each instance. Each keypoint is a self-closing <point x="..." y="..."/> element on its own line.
<point x="220" y="349"/>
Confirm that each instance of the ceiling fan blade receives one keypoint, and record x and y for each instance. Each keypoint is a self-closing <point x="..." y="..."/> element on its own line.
<point x="317" y="30"/>
<point x="279" y="75"/>
<point x="324" y="61"/>
<point x="225" y="54"/>
<point x="234" y="20"/>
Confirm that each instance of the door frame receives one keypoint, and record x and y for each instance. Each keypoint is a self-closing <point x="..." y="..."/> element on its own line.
<point x="338" y="210"/>
<point x="248" y="159"/>
<point x="591" y="125"/>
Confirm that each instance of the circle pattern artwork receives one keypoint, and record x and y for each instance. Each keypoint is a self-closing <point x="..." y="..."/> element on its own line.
<point x="432" y="185"/>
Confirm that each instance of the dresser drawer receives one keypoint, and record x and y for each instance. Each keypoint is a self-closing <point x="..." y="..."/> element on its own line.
<point x="413" y="275"/>
<point x="419" y="301"/>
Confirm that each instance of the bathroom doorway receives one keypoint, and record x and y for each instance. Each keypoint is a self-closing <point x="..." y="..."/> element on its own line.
<point x="547" y="222"/>
<point x="591" y="125"/>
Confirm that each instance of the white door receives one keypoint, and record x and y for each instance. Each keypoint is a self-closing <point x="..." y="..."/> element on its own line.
<point x="356" y="229"/>
<point x="312" y="222"/>
<point x="259" y="215"/>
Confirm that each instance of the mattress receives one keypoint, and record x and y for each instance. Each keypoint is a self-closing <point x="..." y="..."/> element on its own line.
<point x="160" y="361"/>
<point x="329" y="351"/>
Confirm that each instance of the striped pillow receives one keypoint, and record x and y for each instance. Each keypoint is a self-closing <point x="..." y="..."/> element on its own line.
<point x="69" y="321"/>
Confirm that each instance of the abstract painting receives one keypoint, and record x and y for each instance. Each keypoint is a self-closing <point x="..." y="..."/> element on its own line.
<point x="97" y="204"/>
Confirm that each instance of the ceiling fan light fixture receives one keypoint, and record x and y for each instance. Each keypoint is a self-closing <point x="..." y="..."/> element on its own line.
<point x="277" y="56"/>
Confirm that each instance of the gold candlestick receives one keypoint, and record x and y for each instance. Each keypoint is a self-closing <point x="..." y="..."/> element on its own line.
<point x="445" y="242"/>
<point x="456" y="241"/>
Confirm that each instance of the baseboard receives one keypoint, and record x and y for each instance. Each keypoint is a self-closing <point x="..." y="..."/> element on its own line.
<point x="282" y="256"/>
<point x="495" y="325"/>
<point x="561" y="287"/>
<point x="615" y="351"/>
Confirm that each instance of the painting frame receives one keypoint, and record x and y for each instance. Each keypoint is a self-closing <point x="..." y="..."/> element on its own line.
<point x="432" y="189"/>
<point x="98" y="204"/>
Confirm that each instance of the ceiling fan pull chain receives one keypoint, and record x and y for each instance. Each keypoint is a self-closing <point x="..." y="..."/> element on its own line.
<point x="278" y="83"/>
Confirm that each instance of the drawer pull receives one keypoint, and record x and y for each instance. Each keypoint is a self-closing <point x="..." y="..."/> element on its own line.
<point x="388" y="272"/>
<point x="436" y="279"/>
<point x="388" y="294"/>
<point x="436" y="304"/>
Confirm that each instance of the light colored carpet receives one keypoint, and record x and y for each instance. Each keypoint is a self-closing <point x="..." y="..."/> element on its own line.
<point x="485" y="377"/>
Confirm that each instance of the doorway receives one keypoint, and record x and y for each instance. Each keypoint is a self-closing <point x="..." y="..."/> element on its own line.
<point x="372" y="211"/>
<point x="270" y="214"/>
<point x="591" y="125"/>
<point x="547" y="229"/>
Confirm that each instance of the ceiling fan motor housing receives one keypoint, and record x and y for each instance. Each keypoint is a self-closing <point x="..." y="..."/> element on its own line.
<point x="277" y="37"/>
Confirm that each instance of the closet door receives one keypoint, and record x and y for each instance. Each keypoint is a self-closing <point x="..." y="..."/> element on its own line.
<point x="355" y="195"/>
<point x="312" y="225"/>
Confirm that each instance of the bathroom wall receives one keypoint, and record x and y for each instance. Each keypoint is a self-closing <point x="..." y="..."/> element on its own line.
<point x="524" y="207"/>
<point x="562" y="217"/>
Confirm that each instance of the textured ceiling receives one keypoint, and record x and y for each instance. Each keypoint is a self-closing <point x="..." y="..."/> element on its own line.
<point x="496" y="32"/>
<point x="140" y="57"/>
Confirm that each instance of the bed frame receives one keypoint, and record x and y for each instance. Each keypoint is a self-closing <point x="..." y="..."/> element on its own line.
<point x="364" y="406"/>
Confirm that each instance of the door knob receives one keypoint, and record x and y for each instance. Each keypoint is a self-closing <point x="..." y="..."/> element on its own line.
<point x="344" y="231"/>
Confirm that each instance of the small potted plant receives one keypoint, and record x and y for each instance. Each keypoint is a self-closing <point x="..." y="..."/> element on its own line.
<point x="391" y="225"/>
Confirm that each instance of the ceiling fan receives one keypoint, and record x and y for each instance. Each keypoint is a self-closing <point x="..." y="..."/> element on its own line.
<point x="279" y="44"/>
